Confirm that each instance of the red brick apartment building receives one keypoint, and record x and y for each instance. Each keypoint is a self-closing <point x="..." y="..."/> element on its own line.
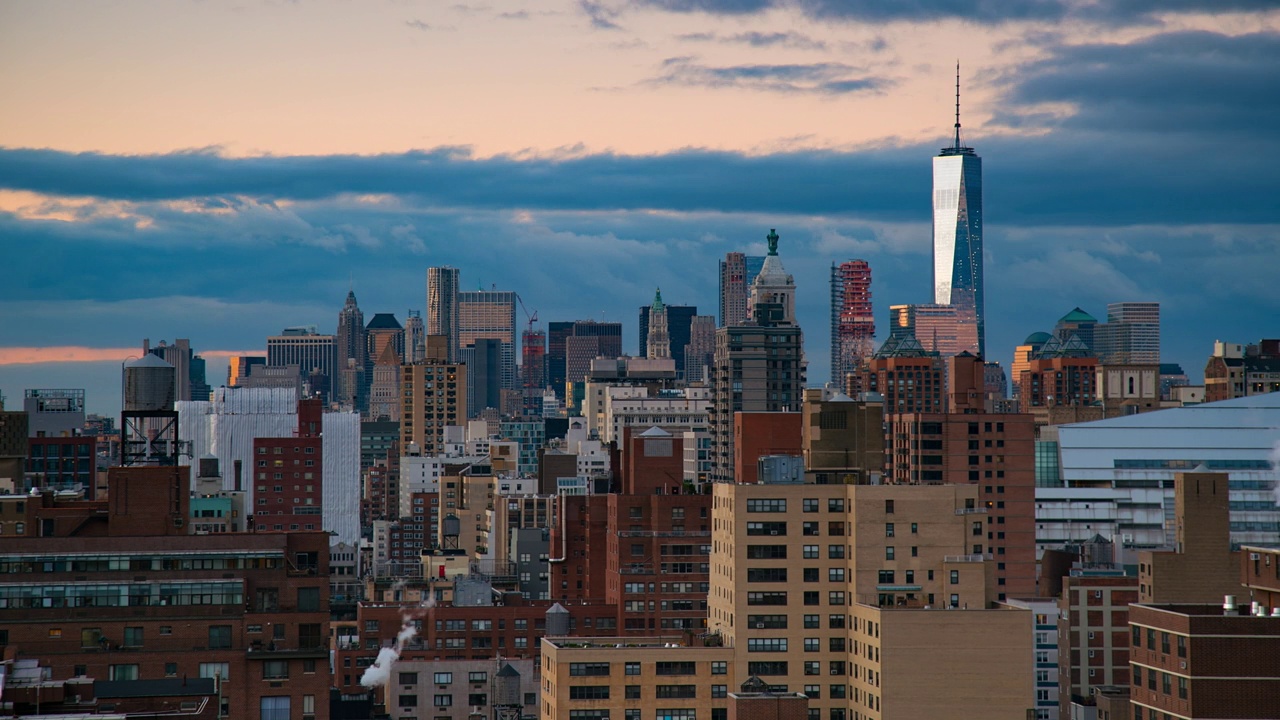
<point x="118" y="590"/>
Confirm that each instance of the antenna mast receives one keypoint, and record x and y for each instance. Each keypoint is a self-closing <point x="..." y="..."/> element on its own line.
<point x="957" y="146"/>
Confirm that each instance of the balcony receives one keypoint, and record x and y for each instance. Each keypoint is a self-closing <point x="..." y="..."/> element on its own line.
<point x="663" y="533"/>
<point x="964" y="558"/>
<point x="280" y="651"/>
<point x="636" y="569"/>
<point x="970" y="511"/>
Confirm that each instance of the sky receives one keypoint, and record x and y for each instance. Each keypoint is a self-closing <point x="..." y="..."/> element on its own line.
<point x="221" y="170"/>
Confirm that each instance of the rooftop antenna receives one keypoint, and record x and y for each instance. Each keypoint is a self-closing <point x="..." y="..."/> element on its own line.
<point x="957" y="146"/>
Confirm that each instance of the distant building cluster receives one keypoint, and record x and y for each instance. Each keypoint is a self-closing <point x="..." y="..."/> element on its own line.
<point x="460" y="514"/>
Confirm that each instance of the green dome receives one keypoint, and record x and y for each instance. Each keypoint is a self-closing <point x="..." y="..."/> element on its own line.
<point x="1037" y="338"/>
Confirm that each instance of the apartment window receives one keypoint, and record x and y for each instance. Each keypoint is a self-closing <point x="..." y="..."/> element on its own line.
<point x="812" y="667"/>
<point x="767" y="505"/>
<point x="835" y="621"/>
<point x="810" y="575"/>
<point x="1182" y="646"/>
<point x="1137" y="636"/>
<point x="810" y="528"/>
<point x="810" y="505"/>
<point x="595" y="669"/>
<point x="811" y="621"/>
<point x="443" y="700"/>
<point x="408" y="701"/>
<point x="1182" y="688"/>
<point x="718" y="667"/>
<point x="675" y="668"/>
<point x="1137" y="676"/>
<point x="812" y="645"/>
<point x="408" y="678"/>
<point x="1151" y="639"/>
<point x="683" y="692"/>
<point x="811" y="597"/>
<point x="631" y="692"/>
<point x="123" y="672"/>
<point x="219" y="637"/>
<point x="835" y="504"/>
<point x="215" y="670"/>
<point x="810" y="552"/>
<point x="132" y="637"/>
<point x="835" y="574"/>
<point x="888" y="507"/>
<point x="588" y="692"/>
<point x="888" y="529"/>
<point x="813" y="691"/>
<point x="719" y="691"/>
<point x="835" y="552"/>
<point x="443" y="678"/>
<point x="631" y="668"/>
<point x="274" y="707"/>
<point x="1164" y="643"/>
<point x="888" y="552"/>
<point x="837" y="691"/>
<point x="1166" y="683"/>
<point x="835" y="597"/>
<point x="275" y="669"/>
<point x="915" y="528"/>
<point x="955" y="577"/>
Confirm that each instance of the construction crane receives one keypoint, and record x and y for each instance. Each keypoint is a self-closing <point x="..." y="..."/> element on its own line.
<point x="533" y="317"/>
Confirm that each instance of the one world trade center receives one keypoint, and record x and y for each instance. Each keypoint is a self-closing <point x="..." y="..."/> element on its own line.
<point x="957" y="234"/>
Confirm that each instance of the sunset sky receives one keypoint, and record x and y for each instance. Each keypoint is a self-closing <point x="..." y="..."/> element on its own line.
<point x="220" y="170"/>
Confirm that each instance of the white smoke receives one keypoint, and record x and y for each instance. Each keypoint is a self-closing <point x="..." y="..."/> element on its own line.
<point x="379" y="673"/>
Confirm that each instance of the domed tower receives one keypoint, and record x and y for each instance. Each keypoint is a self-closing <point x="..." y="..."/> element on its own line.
<point x="659" y="340"/>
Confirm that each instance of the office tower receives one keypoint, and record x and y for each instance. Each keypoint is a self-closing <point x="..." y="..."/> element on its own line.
<point x="442" y="306"/>
<point x="384" y="391"/>
<point x="679" y="327"/>
<point x="415" y="334"/>
<point x="737" y="272"/>
<point x="179" y="356"/>
<point x="557" y="336"/>
<point x="957" y="232"/>
<point x="313" y="353"/>
<point x="942" y="329"/>
<point x="484" y="361"/>
<point x="490" y="314"/>
<point x="853" y="326"/>
<point x="758" y="367"/>
<point x="588" y="340"/>
<point x="657" y="337"/>
<point x="239" y="367"/>
<point x="383" y="331"/>
<point x="1130" y="336"/>
<point x="1078" y="323"/>
<point x="351" y="337"/>
<point x="701" y="350"/>
<point x="434" y="394"/>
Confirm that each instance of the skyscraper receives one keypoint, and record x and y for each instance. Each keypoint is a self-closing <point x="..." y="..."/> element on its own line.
<point x="853" y="326"/>
<point x="351" y="350"/>
<point x="490" y="314"/>
<point x="415" y="337"/>
<point x="1131" y="334"/>
<point x="679" y="321"/>
<point x="658" y="338"/>
<point x="442" y="306"/>
<point x="314" y="355"/>
<point x="758" y="367"/>
<point x="737" y="272"/>
<point x="957" y="230"/>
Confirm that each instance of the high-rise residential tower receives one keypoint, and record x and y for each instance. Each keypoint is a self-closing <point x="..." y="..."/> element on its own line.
<point x="957" y="230"/>
<point x="442" y="306"/>
<point x="491" y="315"/>
<point x="737" y="272"/>
<point x="853" y="326"/>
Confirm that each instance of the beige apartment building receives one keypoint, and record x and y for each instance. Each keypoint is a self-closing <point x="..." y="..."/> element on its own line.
<point x="434" y="396"/>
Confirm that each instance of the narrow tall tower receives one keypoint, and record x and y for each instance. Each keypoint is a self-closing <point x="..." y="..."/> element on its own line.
<point x="442" y="306"/>
<point x="352" y="352"/>
<point x="659" y="340"/>
<point x="853" y="325"/>
<point x="957" y="230"/>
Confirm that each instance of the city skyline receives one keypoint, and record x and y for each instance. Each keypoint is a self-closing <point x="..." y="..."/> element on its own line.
<point x="1074" y="111"/>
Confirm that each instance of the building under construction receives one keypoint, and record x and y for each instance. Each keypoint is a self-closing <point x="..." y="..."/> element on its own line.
<point x="853" y="325"/>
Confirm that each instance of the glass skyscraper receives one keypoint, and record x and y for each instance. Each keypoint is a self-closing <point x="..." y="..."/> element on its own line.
<point x="957" y="230"/>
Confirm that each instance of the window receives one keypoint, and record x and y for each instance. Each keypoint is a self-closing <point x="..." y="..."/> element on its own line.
<point x="1182" y="688"/>
<point x="408" y="678"/>
<point x="812" y="667"/>
<point x="766" y="598"/>
<point x="835" y="598"/>
<point x="123" y="672"/>
<point x="89" y="637"/>
<point x="766" y="645"/>
<point x="810" y="552"/>
<point x="443" y="678"/>
<point x="1164" y="643"/>
<point x="813" y="691"/>
<point x="275" y="669"/>
<point x="835" y="552"/>
<point x="1182" y="646"/>
<point x="588" y="692"/>
<point x="888" y="529"/>
<point x="665" y="692"/>
<point x="767" y="575"/>
<point x="215" y="670"/>
<point x="171" y="669"/>
<point x="274" y="707"/>
<point x="675" y="668"/>
<point x="835" y="505"/>
<point x="810" y="504"/>
<point x="219" y="637"/>
<point x="478" y="677"/>
<point x="766" y="552"/>
<point x="407" y="701"/>
<point x="719" y="667"/>
<point x="132" y="637"/>
<point x="442" y="700"/>
<point x="1166" y="683"/>
<point x="955" y="577"/>
<point x="835" y="574"/>
<point x="1137" y="636"/>
<point x="596" y="669"/>
<point x="811" y="574"/>
<point x="767" y="506"/>
<point x="719" y="691"/>
<point x="632" y="692"/>
<point x="812" y="645"/>
<point x="771" y="667"/>
<point x="632" y="668"/>
<point x="835" y="621"/>
<point x="811" y="622"/>
<point x="309" y="599"/>
<point x="888" y="552"/>
<point x="888" y="507"/>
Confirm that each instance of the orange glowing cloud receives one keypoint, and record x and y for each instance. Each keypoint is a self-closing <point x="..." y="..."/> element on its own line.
<point x="74" y="353"/>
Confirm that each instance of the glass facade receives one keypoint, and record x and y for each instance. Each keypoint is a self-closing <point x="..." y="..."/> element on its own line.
<point x="957" y="235"/>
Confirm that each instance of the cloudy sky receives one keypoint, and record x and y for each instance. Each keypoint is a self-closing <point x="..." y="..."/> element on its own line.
<point x="219" y="170"/>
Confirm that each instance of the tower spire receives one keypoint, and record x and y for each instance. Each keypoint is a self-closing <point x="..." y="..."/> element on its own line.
<point x="957" y="145"/>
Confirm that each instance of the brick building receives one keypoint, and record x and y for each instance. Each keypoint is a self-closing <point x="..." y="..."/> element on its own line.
<point x="1093" y="643"/>
<point x="757" y="434"/>
<point x="289" y="475"/>
<point x="145" y="600"/>
<point x="1201" y="567"/>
